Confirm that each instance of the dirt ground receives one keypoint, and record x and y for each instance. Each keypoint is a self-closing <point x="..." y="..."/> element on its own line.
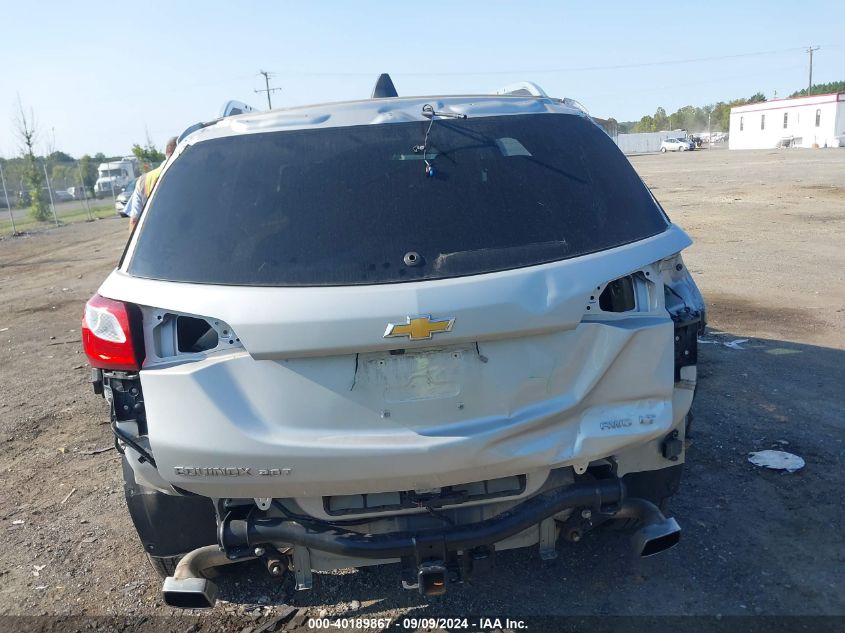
<point x="769" y="256"/>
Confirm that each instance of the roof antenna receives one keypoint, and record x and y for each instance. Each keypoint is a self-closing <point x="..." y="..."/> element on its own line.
<point x="384" y="87"/>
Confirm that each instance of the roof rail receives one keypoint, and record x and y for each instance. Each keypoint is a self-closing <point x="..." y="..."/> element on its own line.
<point x="530" y="89"/>
<point x="230" y="108"/>
<point x="522" y="89"/>
<point x="572" y="103"/>
<point x="193" y="128"/>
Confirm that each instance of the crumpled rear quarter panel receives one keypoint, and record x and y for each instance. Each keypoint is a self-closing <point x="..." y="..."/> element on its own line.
<point x="537" y="402"/>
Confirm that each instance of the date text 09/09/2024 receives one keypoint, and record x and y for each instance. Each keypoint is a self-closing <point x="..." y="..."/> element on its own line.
<point x="479" y="624"/>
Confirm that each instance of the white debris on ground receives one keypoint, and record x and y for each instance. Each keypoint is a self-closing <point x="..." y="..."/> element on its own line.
<point x="734" y="344"/>
<point x="777" y="460"/>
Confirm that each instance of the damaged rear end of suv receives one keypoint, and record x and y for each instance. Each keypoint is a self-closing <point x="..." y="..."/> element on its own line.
<point x="398" y="330"/>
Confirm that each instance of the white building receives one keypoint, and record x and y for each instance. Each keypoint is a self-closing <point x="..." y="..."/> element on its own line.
<point x="814" y="121"/>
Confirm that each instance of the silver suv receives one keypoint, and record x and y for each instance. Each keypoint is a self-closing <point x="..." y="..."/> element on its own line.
<point x="419" y="330"/>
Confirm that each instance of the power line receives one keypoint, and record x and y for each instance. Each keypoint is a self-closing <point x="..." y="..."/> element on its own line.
<point x="716" y="80"/>
<point x="672" y="62"/>
<point x="268" y="89"/>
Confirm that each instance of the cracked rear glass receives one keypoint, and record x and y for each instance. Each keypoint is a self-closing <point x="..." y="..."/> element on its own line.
<point x="344" y="206"/>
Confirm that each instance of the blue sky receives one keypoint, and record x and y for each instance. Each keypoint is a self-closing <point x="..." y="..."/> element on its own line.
<point x="99" y="75"/>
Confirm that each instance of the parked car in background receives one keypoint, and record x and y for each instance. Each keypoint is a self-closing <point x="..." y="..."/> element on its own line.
<point x="79" y="193"/>
<point x="676" y="145"/>
<point x="62" y="195"/>
<point x="122" y="198"/>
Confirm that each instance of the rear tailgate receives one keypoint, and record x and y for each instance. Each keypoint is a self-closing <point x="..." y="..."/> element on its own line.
<point x="533" y="375"/>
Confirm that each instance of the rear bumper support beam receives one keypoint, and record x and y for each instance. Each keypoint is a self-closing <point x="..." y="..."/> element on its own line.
<point x="247" y="533"/>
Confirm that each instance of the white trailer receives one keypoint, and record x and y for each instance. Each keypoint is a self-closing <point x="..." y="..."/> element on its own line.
<point x="814" y="121"/>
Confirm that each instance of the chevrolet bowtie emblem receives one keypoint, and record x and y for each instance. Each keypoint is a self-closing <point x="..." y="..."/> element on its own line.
<point x="419" y="328"/>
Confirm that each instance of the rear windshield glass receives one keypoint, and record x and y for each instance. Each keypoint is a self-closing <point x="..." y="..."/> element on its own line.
<point x="392" y="202"/>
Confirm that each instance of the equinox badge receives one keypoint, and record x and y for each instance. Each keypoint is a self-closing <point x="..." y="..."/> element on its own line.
<point x="419" y="327"/>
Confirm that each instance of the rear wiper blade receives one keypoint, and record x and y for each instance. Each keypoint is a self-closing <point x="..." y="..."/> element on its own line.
<point x="429" y="112"/>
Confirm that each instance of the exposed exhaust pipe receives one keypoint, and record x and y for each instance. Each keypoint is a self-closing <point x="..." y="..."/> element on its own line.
<point x="187" y="588"/>
<point x="657" y="533"/>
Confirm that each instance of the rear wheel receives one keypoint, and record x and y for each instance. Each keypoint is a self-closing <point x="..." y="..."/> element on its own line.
<point x="662" y="150"/>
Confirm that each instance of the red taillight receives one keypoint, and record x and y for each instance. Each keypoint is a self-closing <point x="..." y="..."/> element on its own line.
<point x="107" y="336"/>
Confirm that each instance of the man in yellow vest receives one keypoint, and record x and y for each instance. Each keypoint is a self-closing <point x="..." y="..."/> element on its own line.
<point x="144" y="187"/>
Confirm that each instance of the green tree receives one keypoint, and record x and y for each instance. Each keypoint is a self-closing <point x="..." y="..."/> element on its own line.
<point x="694" y="118"/>
<point x="820" y="89"/>
<point x="147" y="154"/>
<point x="720" y="117"/>
<point x="688" y="118"/>
<point x="646" y="124"/>
<point x="62" y="175"/>
<point x="60" y="157"/>
<point x="62" y="168"/>
<point x="661" y="121"/>
<point x="33" y="176"/>
<point x="88" y="166"/>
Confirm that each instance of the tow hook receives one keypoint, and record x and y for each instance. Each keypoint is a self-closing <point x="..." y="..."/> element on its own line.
<point x="432" y="577"/>
<point x="672" y="446"/>
<point x="274" y="560"/>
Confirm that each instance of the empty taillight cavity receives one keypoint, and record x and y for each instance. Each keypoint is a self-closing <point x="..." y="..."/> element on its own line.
<point x="618" y="296"/>
<point x="632" y="293"/>
<point x="195" y="335"/>
<point x="107" y="335"/>
<point x="185" y="336"/>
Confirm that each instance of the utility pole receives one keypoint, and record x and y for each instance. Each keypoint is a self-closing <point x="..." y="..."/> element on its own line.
<point x="709" y="132"/>
<point x="267" y="89"/>
<point x="810" y="85"/>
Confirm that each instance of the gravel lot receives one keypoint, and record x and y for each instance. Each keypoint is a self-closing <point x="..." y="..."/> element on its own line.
<point x="769" y="256"/>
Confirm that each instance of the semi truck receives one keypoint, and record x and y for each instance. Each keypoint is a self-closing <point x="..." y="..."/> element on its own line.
<point x="113" y="176"/>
